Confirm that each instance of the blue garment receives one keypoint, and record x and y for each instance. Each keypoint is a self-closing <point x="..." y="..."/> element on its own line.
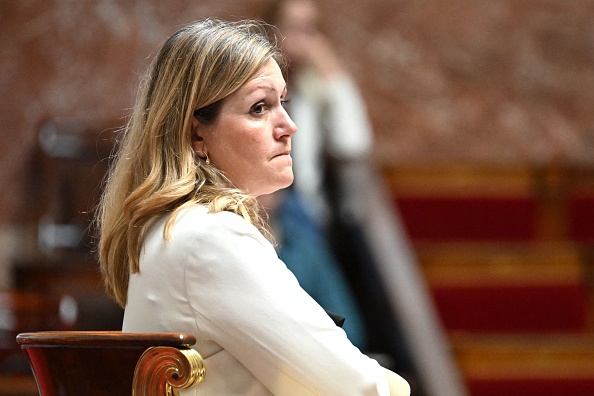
<point x="305" y="251"/>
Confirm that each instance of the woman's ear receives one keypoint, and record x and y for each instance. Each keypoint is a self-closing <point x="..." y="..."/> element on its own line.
<point x="197" y="140"/>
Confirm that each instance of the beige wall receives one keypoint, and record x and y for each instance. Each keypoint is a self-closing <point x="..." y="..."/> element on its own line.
<point x="479" y="81"/>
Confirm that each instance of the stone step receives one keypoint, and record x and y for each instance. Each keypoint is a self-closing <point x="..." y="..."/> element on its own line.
<point x="493" y="287"/>
<point x="555" y="364"/>
<point x="483" y="203"/>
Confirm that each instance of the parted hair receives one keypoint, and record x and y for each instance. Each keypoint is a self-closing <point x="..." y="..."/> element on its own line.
<point x="155" y="170"/>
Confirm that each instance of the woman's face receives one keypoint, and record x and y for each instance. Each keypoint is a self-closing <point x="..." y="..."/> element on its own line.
<point x="250" y="141"/>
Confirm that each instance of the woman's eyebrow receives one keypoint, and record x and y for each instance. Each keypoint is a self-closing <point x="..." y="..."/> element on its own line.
<point x="266" y="86"/>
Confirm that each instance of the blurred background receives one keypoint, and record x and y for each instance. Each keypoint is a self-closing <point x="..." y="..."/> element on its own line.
<point x="483" y="118"/>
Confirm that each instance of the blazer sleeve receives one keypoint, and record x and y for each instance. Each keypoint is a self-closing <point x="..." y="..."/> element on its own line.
<point x="247" y="301"/>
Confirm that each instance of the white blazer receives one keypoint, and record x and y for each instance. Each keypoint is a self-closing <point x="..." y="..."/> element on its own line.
<point x="259" y="332"/>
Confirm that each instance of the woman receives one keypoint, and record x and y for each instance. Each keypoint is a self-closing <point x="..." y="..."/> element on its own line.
<point x="182" y="242"/>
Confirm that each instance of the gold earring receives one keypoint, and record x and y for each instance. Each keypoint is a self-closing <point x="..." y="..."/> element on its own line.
<point x="207" y="160"/>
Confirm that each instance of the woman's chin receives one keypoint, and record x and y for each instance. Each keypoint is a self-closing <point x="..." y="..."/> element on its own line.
<point x="281" y="184"/>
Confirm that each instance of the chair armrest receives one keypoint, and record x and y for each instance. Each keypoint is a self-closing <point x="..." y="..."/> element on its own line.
<point x="163" y="370"/>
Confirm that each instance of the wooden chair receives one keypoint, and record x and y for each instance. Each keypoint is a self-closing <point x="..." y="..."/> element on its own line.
<point x="107" y="363"/>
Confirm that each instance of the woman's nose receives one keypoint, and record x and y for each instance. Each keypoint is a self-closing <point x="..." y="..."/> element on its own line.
<point x="285" y="124"/>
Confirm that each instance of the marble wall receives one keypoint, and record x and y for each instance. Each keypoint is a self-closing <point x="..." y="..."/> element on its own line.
<point x="474" y="80"/>
<point x="485" y="81"/>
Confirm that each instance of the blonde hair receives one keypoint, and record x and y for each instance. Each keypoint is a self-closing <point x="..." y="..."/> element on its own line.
<point x="155" y="169"/>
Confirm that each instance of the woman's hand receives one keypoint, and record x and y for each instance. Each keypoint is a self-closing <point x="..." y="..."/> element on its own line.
<point x="320" y="55"/>
<point x="398" y="385"/>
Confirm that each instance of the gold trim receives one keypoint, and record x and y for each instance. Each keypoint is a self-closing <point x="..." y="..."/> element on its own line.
<point x="163" y="370"/>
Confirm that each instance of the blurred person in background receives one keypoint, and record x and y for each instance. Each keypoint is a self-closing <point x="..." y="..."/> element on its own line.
<point x="334" y="143"/>
<point x="304" y="248"/>
<point x="326" y="105"/>
<point x="333" y="127"/>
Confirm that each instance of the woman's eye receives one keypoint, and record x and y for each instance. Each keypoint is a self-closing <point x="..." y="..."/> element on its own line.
<point x="259" y="108"/>
<point x="285" y="102"/>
